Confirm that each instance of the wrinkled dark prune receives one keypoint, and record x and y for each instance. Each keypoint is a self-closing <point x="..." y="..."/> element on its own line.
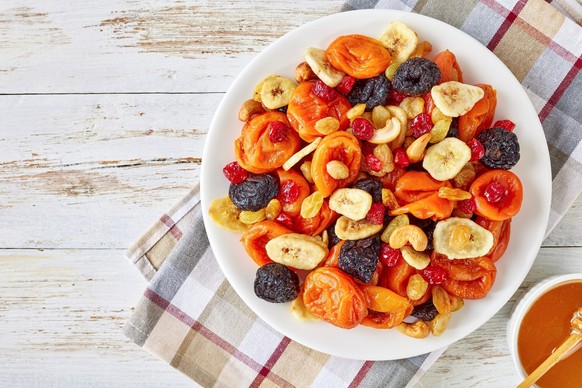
<point x="333" y="238"/>
<point x="454" y="128"/>
<point x="371" y="186"/>
<point x="416" y="76"/>
<point x="425" y="312"/>
<point x="276" y="283"/>
<point x="415" y="167"/>
<point x="255" y="192"/>
<point x="359" y="258"/>
<point x="371" y="91"/>
<point x="427" y="227"/>
<point x="501" y="148"/>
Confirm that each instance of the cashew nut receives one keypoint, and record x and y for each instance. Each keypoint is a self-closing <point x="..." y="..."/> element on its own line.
<point x="248" y="109"/>
<point x="415" y="151"/>
<point x="303" y="72"/>
<point x="418" y="329"/>
<point x="408" y="234"/>
<point x="415" y="259"/>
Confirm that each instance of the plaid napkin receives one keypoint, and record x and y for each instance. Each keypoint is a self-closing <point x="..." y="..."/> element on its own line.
<point x="190" y="317"/>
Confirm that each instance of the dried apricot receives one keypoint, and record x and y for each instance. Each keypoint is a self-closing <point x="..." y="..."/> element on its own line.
<point x="508" y="203"/>
<point x="449" y="67"/>
<point x="332" y="295"/>
<point x="358" y="55"/>
<point x="257" y="236"/>
<point x="256" y="152"/>
<point x="292" y="208"/>
<point x="306" y="109"/>
<point x="340" y="146"/>
<point x="480" y="116"/>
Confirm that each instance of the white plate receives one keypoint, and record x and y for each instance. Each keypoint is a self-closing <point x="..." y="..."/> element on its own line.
<point x="479" y="66"/>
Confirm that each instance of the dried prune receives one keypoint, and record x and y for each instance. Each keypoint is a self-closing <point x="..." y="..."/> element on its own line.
<point x="501" y="148"/>
<point x="371" y="91"/>
<point x="255" y="192"/>
<point x="454" y="128"/>
<point x="416" y="76"/>
<point x="371" y="186"/>
<point x="425" y="312"/>
<point x="333" y="238"/>
<point x="276" y="283"/>
<point x="427" y="227"/>
<point x="359" y="258"/>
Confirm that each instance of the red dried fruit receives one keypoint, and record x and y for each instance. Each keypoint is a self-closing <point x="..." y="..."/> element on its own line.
<point x="277" y="131"/>
<point x="421" y="124"/>
<point x="373" y="163"/>
<point x="368" y="148"/>
<point x="400" y="158"/>
<point x="388" y="255"/>
<point x="506" y="124"/>
<point x="346" y="85"/>
<point x="285" y="220"/>
<point x="376" y="214"/>
<point x="395" y="98"/>
<point x="323" y="91"/>
<point x="494" y="192"/>
<point x="467" y="206"/>
<point x="477" y="149"/>
<point x="434" y="275"/>
<point x="289" y="191"/>
<point x="235" y="173"/>
<point x="362" y="128"/>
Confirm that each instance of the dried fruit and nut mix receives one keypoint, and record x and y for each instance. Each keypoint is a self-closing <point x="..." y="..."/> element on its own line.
<point x="373" y="187"/>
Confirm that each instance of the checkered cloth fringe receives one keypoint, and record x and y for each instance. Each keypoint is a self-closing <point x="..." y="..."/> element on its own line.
<point x="190" y="317"/>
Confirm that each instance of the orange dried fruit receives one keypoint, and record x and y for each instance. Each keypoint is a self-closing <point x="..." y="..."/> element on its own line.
<point x="358" y="56"/>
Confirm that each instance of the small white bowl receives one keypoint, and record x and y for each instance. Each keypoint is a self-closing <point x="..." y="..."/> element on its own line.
<point x="523" y="307"/>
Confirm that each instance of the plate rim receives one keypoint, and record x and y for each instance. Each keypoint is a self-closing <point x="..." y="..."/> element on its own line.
<point x="204" y="177"/>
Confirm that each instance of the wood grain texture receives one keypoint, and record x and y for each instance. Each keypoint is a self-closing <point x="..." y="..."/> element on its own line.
<point x="104" y="46"/>
<point x="62" y="312"/>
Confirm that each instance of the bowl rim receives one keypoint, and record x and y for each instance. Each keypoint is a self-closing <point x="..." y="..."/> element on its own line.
<point x="523" y="306"/>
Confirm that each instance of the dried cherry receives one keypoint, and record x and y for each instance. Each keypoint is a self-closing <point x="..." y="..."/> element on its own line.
<point x="255" y="192"/>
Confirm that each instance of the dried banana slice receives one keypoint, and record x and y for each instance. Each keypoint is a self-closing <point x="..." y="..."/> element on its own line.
<point x="347" y="229"/>
<point x="226" y="214"/>
<point x="400" y="40"/>
<point x="455" y="98"/>
<point x="296" y="157"/>
<point x="478" y="244"/>
<point x="317" y="60"/>
<point x="445" y="159"/>
<point x="276" y="91"/>
<point x="296" y="250"/>
<point x="352" y="203"/>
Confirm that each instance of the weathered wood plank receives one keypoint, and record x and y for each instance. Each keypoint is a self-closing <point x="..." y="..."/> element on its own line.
<point x="62" y="314"/>
<point x="94" y="171"/>
<point x="101" y="46"/>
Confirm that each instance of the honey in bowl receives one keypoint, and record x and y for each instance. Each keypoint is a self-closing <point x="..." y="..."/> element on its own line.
<point x="543" y="328"/>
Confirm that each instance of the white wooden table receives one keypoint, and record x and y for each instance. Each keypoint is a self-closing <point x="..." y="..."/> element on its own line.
<point x="104" y="107"/>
